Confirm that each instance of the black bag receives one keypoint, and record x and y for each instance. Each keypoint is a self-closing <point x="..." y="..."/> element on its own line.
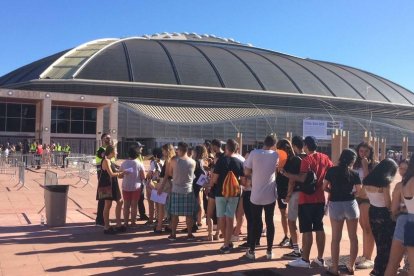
<point x="309" y="185"/>
<point x="409" y="233"/>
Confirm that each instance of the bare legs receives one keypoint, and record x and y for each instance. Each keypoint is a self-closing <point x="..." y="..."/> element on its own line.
<point x="284" y="219"/>
<point x="118" y="210"/>
<point x="368" y="238"/>
<point x="239" y="218"/>
<point x="397" y="253"/>
<point x="130" y="206"/>
<point x="160" y="214"/>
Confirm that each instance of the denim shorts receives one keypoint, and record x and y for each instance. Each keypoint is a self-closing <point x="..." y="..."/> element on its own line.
<point x="399" y="227"/>
<point x="340" y="210"/>
<point x="226" y="206"/>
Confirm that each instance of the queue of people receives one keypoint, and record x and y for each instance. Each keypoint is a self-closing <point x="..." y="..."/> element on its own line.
<point x="303" y="183"/>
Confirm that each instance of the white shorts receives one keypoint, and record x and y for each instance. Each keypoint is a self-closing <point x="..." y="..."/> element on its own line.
<point x="293" y="206"/>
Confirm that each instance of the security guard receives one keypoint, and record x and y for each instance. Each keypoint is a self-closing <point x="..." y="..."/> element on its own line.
<point x="66" y="151"/>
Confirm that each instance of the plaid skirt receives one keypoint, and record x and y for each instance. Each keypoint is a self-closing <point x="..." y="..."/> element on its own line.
<point x="181" y="204"/>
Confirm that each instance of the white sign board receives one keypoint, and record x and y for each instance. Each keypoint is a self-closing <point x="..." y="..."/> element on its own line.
<point x="321" y="130"/>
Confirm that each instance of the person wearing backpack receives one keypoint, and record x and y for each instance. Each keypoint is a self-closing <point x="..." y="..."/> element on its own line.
<point x="311" y="201"/>
<point x="261" y="166"/>
<point x="227" y="177"/>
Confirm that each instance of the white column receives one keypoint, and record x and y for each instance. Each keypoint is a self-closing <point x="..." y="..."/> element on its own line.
<point x="99" y="125"/>
<point x="113" y="121"/>
<point x="46" y="120"/>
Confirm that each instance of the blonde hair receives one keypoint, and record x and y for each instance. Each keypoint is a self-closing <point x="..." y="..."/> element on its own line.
<point x="170" y="152"/>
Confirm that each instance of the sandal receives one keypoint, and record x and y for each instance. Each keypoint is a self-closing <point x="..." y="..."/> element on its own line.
<point x="349" y="270"/>
<point x="121" y="229"/>
<point x="109" y="231"/>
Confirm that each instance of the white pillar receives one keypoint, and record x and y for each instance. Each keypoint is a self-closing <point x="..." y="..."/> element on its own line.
<point x="99" y="125"/>
<point x="113" y="120"/>
<point x="46" y="120"/>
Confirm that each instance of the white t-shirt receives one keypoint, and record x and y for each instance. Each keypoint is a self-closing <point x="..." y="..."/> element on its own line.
<point x="131" y="181"/>
<point x="263" y="166"/>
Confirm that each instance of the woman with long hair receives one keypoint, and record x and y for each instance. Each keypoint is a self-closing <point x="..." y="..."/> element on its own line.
<point x="168" y="153"/>
<point x="341" y="182"/>
<point x="377" y="187"/>
<point x="399" y="213"/>
<point x="200" y="155"/>
<point x="407" y="194"/>
<point x="282" y="183"/>
<point x="109" y="178"/>
<point x="364" y="164"/>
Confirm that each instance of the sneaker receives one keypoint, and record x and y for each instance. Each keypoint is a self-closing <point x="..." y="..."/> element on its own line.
<point x="299" y="263"/>
<point x="285" y="242"/>
<point x="269" y="255"/>
<point x="235" y="238"/>
<point x="224" y="250"/>
<point x="172" y="238"/>
<point x="359" y="259"/>
<point x="366" y="264"/>
<point x="319" y="262"/>
<point x="292" y="256"/>
<point x="250" y="255"/>
<point x="190" y="237"/>
<point x="99" y="225"/>
<point x="244" y="245"/>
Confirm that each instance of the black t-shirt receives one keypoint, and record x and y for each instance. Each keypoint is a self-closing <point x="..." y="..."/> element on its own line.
<point x="342" y="186"/>
<point x="223" y="166"/>
<point x="293" y="166"/>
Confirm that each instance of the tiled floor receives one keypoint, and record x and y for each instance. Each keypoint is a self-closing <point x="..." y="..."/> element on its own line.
<point x="80" y="248"/>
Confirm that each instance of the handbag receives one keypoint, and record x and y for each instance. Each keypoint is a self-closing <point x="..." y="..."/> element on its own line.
<point x="409" y="233"/>
<point x="104" y="187"/>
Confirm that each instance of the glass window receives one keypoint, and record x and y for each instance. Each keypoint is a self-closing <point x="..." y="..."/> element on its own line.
<point x="28" y="111"/>
<point x="90" y="114"/>
<point x="76" y="127"/>
<point x="2" y="124"/>
<point x="63" y="126"/>
<point x="13" y="124"/>
<point x="14" y="110"/>
<point x="63" y="113"/>
<point x="2" y="110"/>
<point x="89" y="127"/>
<point x="53" y="126"/>
<point x="28" y="125"/>
<point x="54" y="112"/>
<point x="76" y="113"/>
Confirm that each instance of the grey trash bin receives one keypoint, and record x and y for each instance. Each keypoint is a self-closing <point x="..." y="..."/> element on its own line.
<point x="56" y="201"/>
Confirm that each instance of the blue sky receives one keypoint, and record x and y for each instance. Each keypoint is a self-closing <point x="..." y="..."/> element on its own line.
<point x="377" y="36"/>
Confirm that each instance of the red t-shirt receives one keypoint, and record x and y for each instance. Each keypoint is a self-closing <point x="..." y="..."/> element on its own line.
<point x="39" y="150"/>
<point x="318" y="163"/>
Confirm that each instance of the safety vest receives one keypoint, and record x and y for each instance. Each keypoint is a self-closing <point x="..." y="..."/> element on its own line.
<point x="58" y="148"/>
<point x="66" y="149"/>
<point x="33" y="147"/>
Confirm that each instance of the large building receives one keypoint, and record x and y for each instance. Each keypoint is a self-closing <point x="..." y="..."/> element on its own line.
<point x="193" y="87"/>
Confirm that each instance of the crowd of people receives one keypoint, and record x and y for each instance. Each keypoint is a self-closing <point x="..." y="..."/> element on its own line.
<point x="304" y="184"/>
<point x="42" y="153"/>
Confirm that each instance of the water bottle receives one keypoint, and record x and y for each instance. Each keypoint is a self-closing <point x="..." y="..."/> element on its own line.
<point x="42" y="220"/>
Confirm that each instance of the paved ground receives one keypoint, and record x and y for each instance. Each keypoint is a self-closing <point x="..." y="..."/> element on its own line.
<point x="80" y="248"/>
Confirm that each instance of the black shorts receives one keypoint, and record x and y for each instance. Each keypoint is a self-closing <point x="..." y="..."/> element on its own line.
<point x="282" y="191"/>
<point x="311" y="217"/>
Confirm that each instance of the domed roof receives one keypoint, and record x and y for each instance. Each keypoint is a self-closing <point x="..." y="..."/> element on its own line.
<point x="208" y="61"/>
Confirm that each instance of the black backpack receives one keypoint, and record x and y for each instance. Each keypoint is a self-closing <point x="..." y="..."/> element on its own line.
<point x="309" y="185"/>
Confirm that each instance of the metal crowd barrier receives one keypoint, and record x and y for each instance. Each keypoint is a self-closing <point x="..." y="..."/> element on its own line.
<point x="8" y="166"/>
<point x="80" y="166"/>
